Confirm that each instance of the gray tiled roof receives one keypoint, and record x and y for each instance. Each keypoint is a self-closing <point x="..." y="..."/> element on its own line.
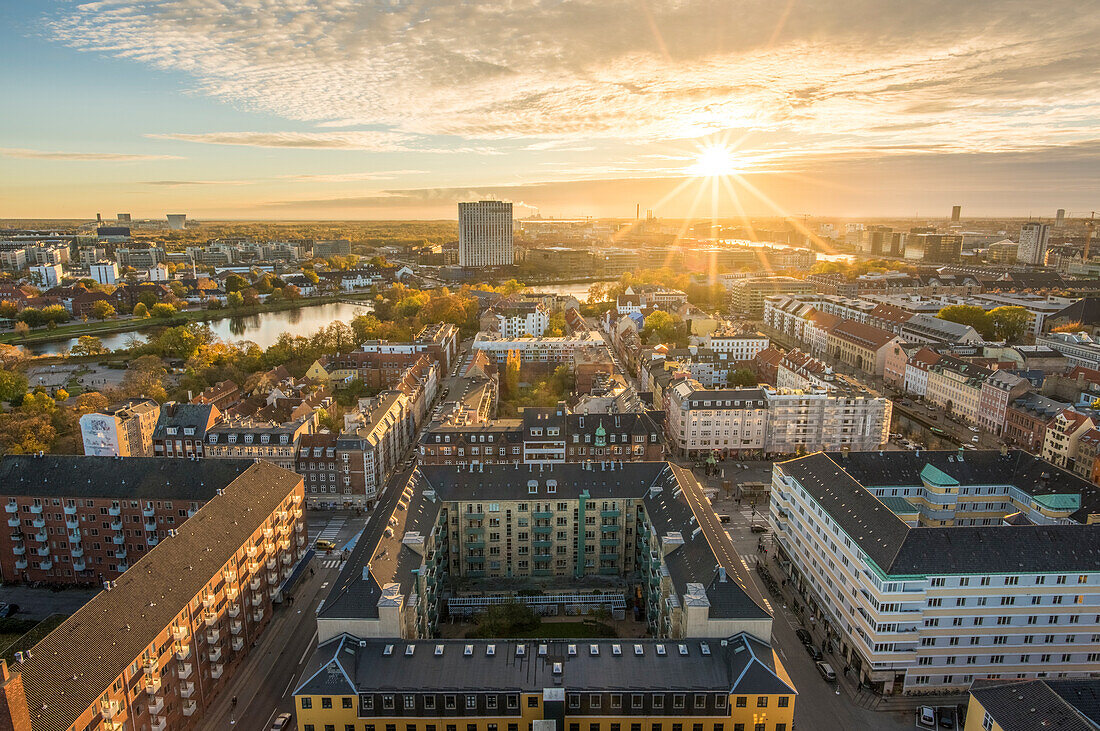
<point x="1048" y="704"/>
<point x="139" y="478"/>
<point x="741" y="662"/>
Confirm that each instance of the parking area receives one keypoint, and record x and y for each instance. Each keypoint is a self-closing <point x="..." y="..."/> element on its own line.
<point x="39" y="603"/>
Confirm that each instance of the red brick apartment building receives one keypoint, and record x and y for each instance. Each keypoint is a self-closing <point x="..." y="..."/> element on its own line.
<point x="154" y="649"/>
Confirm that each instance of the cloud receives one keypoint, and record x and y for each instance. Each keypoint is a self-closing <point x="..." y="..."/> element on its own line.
<point x="366" y="141"/>
<point x="351" y="177"/>
<point x="836" y="73"/>
<point x="25" y="154"/>
<point x="179" y="183"/>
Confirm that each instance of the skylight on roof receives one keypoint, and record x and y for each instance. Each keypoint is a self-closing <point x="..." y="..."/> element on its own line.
<point x="490" y="650"/>
<point x="638" y="650"/>
<point x="572" y="650"/>
<point x="409" y="650"/>
<point x="661" y="650"/>
<point x="705" y="648"/>
<point x="438" y="650"/>
<point x="594" y="649"/>
<point x="388" y="650"/>
<point x="683" y="649"/>
<point x="468" y="650"/>
<point x="521" y="650"/>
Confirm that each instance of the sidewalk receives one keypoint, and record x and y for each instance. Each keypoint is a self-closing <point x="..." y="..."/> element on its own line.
<point x="865" y="698"/>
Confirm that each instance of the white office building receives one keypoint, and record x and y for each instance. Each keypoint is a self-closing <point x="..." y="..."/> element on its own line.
<point x="1034" y="238"/>
<point x="485" y="234"/>
<point x="104" y="272"/>
<point x="928" y="570"/>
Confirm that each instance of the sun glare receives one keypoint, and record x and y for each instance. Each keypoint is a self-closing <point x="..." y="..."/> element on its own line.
<point x="714" y="161"/>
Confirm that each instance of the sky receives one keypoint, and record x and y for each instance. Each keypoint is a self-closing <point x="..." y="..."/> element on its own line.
<point x="385" y="109"/>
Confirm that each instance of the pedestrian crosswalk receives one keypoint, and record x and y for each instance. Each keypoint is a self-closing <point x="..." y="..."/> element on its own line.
<point x="332" y="530"/>
<point x="332" y="563"/>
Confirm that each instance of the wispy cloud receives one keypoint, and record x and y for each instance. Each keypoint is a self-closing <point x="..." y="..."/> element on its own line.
<point x="181" y="183"/>
<point x="372" y="141"/>
<point x="834" y="73"/>
<point x="351" y="177"/>
<point x="25" y="154"/>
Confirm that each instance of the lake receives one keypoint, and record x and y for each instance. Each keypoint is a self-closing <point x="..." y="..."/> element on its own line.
<point x="263" y="328"/>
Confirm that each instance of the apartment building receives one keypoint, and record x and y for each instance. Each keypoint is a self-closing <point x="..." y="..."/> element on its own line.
<point x="648" y="297"/>
<point x="999" y="390"/>
<point x="181" y="429"/>
<point x="747" y="296"/>
<point x="485" y="234"/>
<point x="1026" y="420"/>
<point x="1061" y="437"/>
<point x="514" y="318"/>
<point x="863" y="347"/>
<point x="124" y="430"/>
<point x="916" y="371"/>
<point x="549" y="350"/>
<point x="249" y="439"/>
<point x="1006" y="704"/>
<point x="701" y="422"/>
<point x="931" y="570"/>
<point x="1078" y="348"/>
<point x="956" y="385"/>
<point x="737" y="683"/>
<point x="543" y="435"/>
<point x="737" y="345"/>
<point x="645" y="521"/>
<point x="156" y="648"/>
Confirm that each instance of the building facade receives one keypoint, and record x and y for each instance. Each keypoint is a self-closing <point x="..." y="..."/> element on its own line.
<point x="485" y="234"/>
<point x="124" y="430"/>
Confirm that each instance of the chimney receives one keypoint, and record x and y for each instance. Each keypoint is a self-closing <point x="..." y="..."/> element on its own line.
<point x="14" y="713"/>
<point x="722" y="574"/>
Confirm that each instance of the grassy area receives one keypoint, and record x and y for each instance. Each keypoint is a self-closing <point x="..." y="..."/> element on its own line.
<point x="19" y="635"/>
<point x="107" y="327"/>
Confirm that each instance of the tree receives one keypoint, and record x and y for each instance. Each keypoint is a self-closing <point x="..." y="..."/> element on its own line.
<point x="1009" y="323"/>
<point x="140" y="310"/>
<point x="1070" y="327"/>
<point x="12" y="385"/>
<point x="510" y="383"/>
<point x="743" y="377"/>
<point x="21" y="329"/>
<point x="103" y="310"/>
<point x="311" y="276"/>
<point x="162" y="310"/>
<point x="26" y="434"/>
<point x="145" y="376"/>
<point x="660" y="327"/>
<point x="38" y="403"/>
<point x="90" y="402"/>
<point x="60" y="395"/>
<point x="556" y="327"/>
<point x="89" y="345"/>
<point x="971" y="315"/>
<point x="366" y="327"/>
<point x="235" y="299"/>
<point x="235" y="283"/>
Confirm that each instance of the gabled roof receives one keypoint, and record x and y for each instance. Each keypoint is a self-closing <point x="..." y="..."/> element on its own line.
<point x="1048" y="704"/>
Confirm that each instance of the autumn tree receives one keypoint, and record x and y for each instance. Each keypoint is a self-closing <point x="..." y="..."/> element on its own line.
<point x="1009" y="323"/>
<point x="89" y="345"/>
<point x="971" y="315"/>
<point x="12" y="385"/>
<point x="102" y="310"/>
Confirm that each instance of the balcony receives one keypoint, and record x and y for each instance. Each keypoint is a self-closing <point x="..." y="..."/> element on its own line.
<point x="473" y="516"/>
<point x="120" y="554"/>
<point x="183" y="652"/>
<point x="609" y="541"/>
<point x="123" y="566"/>
<point x="542" y="514"/>
<point x="13" y="522"/>
<point x="231" y="592"/>
<point x="301" y="540"/>
<point x="11" y="508"/>
<point x="114" y="512"/>
<point x="184" y="673"/>
<point x="257" y="599"/>
<point x="116" y="525"/>
<point x="216" y="670"/>
<point x="187" y="688"/>
<point x="19" y="550"/>
<point x="189" y="708"/>
<point x="297" y="513"/>
<point x="180" y="633"/>
<point x="118" y="540"/>
<point x="70" y="510"/>
<point x="270" y="563"/>
<point x="208" y="600"/>
<point x="110" y="709"/>
<point x="542" y="543"/>
<point x="610" y="513"/>
<point x="229" y="575"/>
<point x="72" y="524"/>
<point x="38" y="523"/>
<point x="20" y="563"/>
<point x="42" y="550"/>
<point x="251" y="551"/>
<point x="149" y="525"/>
<point x="77" y="552"/>
<point x="210" y="618"/>
<point x="258" y="615"/>
<point x="79" y="566"/>
<point x="158" y="723"/>
<point x="215" y="654"/>
<point x="153" y="683"/>
<point x="238" y="644"/>
<point x="213" y="636"/>
<point x="152" y="541"/>
<point x="475" y="544"/>
<point x="255" y="583"/>
<point x="234" y="610"/>
<point x="41" y="537"/>
<point x="148" y="512"/>
<point x="236" y="627"/>
<point x="543" y="529"/>
<point x="287" y="558"/>
<point x="269" y="547"/>
<point x="283" y="544"/>
<point x="269" y="533"/>
<point x="36" y="510"/>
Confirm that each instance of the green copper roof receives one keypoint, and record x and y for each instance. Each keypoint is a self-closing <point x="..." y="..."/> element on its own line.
<point x="1059" y="502"/>
<point x="937" y="477"/>
<point x="899" y="505"/>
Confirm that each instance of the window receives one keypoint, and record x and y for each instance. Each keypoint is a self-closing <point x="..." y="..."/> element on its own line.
<point x="410" y="702"/>
<point x="326" y="703"/>
<point x="307" y="703"/>
<point x="471" y="702"/>
<point x="636" y="700"/>
<point x="533" y="702"/>
<point x="616" y="701"/>
<point x="762" y="702"/>
<point x="783" y="701"/>
<point x="742" y="701"/>
<point x="429" y="702"/>
<point x="345" y="703"/>
<point x="678" y="700"/>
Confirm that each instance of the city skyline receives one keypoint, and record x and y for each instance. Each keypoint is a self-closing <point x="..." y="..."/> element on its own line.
<point x="689" y="109"/>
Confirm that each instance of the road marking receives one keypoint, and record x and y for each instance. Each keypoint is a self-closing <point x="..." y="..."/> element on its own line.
<point x="268" y="724"/>
<point x="308" y="646"/>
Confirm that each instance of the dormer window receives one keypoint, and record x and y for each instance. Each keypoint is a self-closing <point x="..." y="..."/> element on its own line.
<point x="213" y="438"/>
<point x="248" y="439"/>
<point x="189" y="431"/>
<point x="232" y="438"/>
<point x="172" y="431"/>
<point x="265" y="438"/>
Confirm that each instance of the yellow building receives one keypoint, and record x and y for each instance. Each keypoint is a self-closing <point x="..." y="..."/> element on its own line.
<point x="735" y="684"/>
<point x="1048" y="704"/>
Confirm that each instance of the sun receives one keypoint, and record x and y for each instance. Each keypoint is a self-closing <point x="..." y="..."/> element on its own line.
<point x="714" y="161"/>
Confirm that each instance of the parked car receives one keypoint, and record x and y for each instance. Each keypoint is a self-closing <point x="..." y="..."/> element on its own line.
<point x="974" y="438"/>
<point x="814" y="653"/>
<point x="826" y="671"/>
<point x="804" y="637"/>
<point x="281" y="722"/>
<point x="948" y="717"/>
<point x="8" y="610"/>
<point x="926" y="717"/>
<point x="973" y="429"/>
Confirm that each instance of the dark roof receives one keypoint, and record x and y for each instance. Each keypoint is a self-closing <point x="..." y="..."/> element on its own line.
<point x="1025" y="705"/>
<point x="1085" y="310"/>
<point x="838" y="484"/>
<point x="184" y="415"/>
<point x="742" y="663"/>
<point x="73" y="665"/>
<point x="154" y="478"/>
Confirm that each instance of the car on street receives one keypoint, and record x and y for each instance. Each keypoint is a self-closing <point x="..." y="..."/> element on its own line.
<point x="281" y="722"/>
<point x="814" y="653"/>
<point x="973" y="429"/>
<point x="926" y="717"/>
<point x="324" y="544"/>
<point x="826" y="671"/>
<point x="974" y="438"/>
<point x="948" y="717"/>
<point x="8" y="610"/>
<point x="759" y="528"/>
<point x="804" y="637"/>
